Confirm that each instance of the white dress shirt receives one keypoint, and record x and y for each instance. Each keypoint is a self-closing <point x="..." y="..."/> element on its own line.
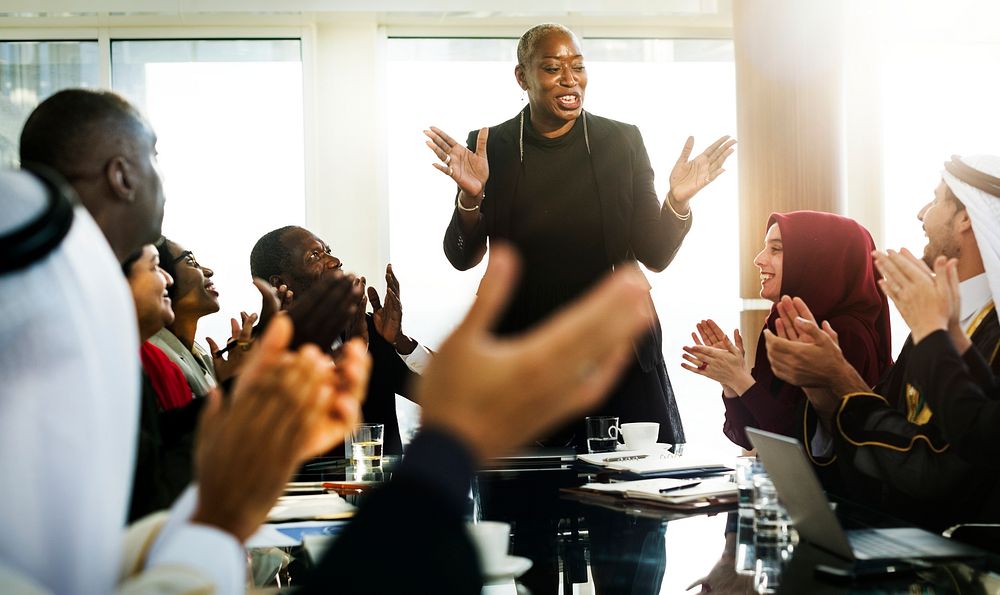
<point x="975" y="295"/>
<point x="417" y="359"/>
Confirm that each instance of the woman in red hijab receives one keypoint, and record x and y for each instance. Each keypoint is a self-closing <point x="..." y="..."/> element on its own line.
<point x="825" y="260"/>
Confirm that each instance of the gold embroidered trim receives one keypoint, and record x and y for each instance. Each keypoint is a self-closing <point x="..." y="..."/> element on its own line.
<point x="913" y="440"/>
<point x="979" y="319"/>
<point x="917" y="410"/>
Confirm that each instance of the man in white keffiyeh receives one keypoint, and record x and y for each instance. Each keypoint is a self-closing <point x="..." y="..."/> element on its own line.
<point x="975" y="181"/>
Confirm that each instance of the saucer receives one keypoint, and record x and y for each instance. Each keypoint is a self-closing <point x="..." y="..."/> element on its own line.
<point x="511" y="568"/>
<point x="657" y="446"/>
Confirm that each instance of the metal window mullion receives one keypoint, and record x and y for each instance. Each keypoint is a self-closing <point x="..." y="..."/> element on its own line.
<point x="104" y="55"/>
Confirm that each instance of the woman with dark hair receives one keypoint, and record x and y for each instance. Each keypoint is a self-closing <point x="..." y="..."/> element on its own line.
<point x="168" y="414"/>
<point x="573" y="192"/>
<point x="194" y="296"/>
<point x="826" y="261"/>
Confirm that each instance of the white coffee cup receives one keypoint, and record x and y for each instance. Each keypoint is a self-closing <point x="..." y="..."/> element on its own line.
<point x="640" y="435"/>
<point x="492" y="539"/>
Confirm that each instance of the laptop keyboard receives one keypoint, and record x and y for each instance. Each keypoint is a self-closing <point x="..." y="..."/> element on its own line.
<point x="872" y="544"/>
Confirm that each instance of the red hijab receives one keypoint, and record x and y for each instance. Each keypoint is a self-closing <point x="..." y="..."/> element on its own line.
<point x="827" y="262"/>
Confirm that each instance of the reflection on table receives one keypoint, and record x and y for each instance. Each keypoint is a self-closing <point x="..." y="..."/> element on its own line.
<point x="580" y="547"/>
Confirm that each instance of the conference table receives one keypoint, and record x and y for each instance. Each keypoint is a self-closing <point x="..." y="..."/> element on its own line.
<point x="579" y="546"/>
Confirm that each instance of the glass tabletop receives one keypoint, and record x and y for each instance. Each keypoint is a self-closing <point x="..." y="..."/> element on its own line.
<point x="578" y="547"/>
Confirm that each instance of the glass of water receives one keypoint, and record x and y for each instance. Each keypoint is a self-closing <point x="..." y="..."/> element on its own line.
<point x="771" y="535"/>
<point x="602" y="433"/>
<point x="366" y="445"/>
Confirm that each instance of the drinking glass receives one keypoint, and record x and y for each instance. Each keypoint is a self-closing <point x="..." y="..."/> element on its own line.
<point x="366" y="445"/>
<point x="602" y="434"/>
<point x="771" y="536"/>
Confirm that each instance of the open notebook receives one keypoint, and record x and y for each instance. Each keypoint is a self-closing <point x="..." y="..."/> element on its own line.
<point x="655" y="463"/>
<point x="663" y="492"/>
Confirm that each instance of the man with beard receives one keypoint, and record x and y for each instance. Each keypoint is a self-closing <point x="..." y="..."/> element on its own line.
<point x="890" y="434"/>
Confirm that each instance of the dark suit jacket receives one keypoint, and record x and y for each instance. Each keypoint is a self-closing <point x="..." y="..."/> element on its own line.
<point x="635" y="227"/>
<point x="941" y="472"/>
<point x="390" y="376"/>
<point x="164" y="458"/>
<point x="409" y="536"/>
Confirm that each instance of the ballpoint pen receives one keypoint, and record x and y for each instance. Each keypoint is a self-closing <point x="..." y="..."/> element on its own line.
<point x="628" y="458"/>
<point x="244" y="345"/>
<point x="680" y="487"/>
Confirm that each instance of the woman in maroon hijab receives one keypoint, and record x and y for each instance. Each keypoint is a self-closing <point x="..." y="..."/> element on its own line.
<point x="825" y="260"/>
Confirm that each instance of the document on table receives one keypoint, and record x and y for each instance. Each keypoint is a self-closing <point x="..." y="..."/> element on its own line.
<point x="320" y="506"/>
<point x="678" y="491"/>
<point x="653" y="462"/>
<point x="292" y="534"/>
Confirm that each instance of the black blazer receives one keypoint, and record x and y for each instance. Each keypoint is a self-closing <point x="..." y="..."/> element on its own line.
<point x="390" y="376"/>
<point x="636" y="227"/>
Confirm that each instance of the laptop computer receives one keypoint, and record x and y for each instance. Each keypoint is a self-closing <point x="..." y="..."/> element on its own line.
<point x="807" y="505"/>
<point x="532" y="459"/>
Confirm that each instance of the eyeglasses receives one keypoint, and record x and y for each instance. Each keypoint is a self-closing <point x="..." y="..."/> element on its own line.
<point x="187" y="256"/>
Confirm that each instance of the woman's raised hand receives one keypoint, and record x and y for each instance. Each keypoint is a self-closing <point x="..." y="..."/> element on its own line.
<point x="228" y="364"/>
<point x="469" y="170"/>
<point x="717" y="357"/>
<point x="689" y="176"/>
<point x="711" y="334"/>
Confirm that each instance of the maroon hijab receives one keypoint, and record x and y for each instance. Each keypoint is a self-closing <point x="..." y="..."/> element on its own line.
<point x="827" y="263"/>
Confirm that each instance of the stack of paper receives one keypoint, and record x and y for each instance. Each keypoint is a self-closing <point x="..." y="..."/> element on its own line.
<point x="321" y="506"/>
<point x="668" y="490"/>
<point x="669" y="493"/>
<point x="656" y="463"/>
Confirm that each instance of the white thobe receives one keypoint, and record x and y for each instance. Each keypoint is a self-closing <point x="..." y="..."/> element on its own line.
<point x="69" y="415"/>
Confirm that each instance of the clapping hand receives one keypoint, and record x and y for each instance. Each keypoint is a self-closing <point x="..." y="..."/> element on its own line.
<point x="713" y="355"/>
<point x="388" y="316"/>
<point x="296" y="402"/>
<point x="469" y="170"/>
<point x="358" y="324"/>
<point x="688" y="177"/>
<point x="227" y="363"/>
<point x="272" y="299"/>
<point x="802" y="352"/>
<point x="322" y="314"/>
<point x="927" y="301"/>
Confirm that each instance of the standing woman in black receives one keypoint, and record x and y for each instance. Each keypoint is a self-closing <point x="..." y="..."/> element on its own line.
<point x="573" y="192"/>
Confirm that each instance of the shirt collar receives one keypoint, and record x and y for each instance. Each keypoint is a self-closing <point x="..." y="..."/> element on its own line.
<point x="975" y="294"/>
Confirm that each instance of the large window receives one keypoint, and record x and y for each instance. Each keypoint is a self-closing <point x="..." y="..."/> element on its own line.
<point x="30" y="71"/>
<point x="669" y="88"/>
<point x="229" y="119"/>
<point x="228" y="115"/>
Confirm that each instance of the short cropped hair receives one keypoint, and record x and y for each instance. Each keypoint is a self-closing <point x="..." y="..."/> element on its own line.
<point x="61" y="131"/>
<point x="270" y="255"/>
<point x="526" y="45"/>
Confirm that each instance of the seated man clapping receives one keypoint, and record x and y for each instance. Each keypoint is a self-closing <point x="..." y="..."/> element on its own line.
<point x="294" y="260"/>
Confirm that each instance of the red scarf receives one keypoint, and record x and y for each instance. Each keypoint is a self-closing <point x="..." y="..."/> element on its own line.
<point x="827" y="262"/>
<point x="172" y="390"/>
